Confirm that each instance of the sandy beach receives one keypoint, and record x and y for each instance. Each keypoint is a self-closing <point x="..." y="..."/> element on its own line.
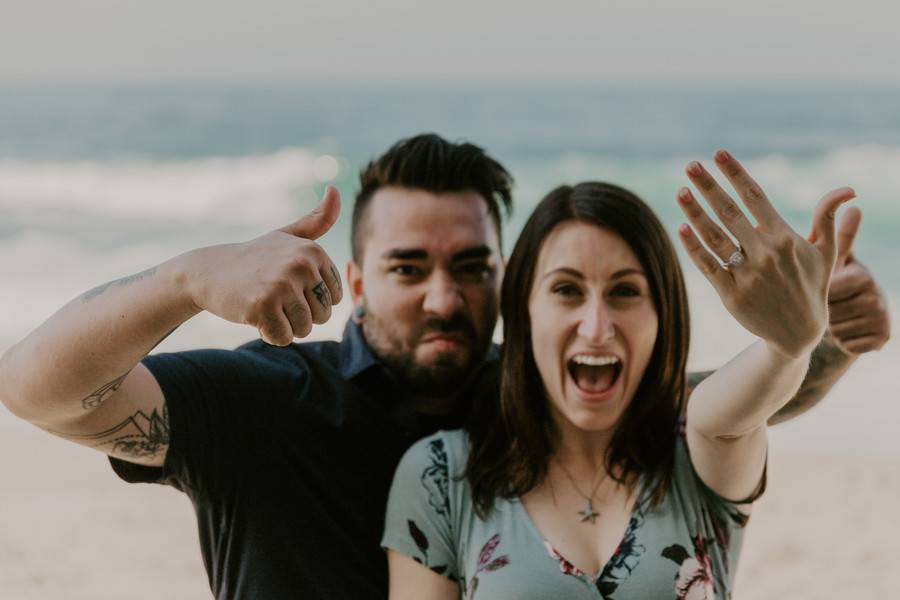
<point x="70" y="530"/>
<point x="826" y="527"/>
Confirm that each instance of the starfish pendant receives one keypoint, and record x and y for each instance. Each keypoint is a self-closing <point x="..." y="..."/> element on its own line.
<point x="588" y="514"/>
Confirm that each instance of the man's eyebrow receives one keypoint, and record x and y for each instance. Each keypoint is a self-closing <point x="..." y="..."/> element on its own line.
<point x="420" y="254"/>
<point x="405" y="254"/>
<point x="471" y="253"/>
<point x="579" y="275"/>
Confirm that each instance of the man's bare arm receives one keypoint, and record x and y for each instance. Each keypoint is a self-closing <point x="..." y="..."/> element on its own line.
<point x="141" y="436"/>
<point x="79" y="375"/>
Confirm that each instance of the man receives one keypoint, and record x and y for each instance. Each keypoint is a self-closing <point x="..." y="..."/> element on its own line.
<point x="287" y="450"/>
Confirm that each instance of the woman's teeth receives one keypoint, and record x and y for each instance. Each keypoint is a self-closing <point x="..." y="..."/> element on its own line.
<point x="594" y="361"/>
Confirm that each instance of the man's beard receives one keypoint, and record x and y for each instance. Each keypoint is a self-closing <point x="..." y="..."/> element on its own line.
<point x="441" y="377"/>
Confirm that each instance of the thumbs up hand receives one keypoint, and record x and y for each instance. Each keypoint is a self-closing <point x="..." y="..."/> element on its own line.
<point x="858" y="319"/>
<point x="281" y="282"/>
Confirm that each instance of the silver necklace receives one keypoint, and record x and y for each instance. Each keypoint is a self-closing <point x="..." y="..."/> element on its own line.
<point x="588" y="513"/>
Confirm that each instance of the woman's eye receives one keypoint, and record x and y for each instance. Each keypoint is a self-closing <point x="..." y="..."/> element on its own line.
<point x="625" y="291"/>
<point x="566" y="290"/>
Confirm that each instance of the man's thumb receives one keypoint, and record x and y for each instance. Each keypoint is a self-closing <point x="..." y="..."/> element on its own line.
<point x="316" y="223"/>
<point x="822" y="234"/>
<point x="846" y="233"/>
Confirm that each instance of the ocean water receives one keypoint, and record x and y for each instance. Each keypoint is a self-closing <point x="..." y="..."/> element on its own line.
<point x="96" y="183"/>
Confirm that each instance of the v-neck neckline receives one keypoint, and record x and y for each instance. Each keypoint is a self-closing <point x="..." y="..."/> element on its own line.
<point x="620" y="548"/>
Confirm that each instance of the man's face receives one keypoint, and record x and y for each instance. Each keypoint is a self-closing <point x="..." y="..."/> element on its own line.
<point x="428" y="284"/>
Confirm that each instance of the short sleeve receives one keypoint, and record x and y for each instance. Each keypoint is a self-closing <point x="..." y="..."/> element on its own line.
<point x="218" y="404"/>
<point x="419" y="523"/>
<point x="712" y="515"/>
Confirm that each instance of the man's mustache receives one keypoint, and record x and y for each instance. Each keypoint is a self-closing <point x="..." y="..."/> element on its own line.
<point x="456" y="324"/>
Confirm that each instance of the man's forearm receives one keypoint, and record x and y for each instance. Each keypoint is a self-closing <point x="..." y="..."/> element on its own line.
<point x="827" y="364"/>
<point x="81" y="355"/>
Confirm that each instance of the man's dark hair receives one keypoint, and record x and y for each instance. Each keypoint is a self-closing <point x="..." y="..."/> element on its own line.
<point x="431" y="163"/>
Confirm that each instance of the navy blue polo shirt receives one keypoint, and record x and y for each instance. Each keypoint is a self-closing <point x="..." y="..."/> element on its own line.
<point x="287" y="455"/>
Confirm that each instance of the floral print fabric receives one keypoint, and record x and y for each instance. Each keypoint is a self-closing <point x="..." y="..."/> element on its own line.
<point x="683" y="549"/>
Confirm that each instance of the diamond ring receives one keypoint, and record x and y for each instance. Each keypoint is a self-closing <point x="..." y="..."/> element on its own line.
<point x="736" y="259"/>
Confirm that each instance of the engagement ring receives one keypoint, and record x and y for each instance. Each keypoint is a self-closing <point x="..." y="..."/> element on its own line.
<point x="735" y="259"/>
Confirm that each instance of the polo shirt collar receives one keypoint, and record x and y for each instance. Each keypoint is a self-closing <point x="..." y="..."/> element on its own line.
<point x="356" y="357"/>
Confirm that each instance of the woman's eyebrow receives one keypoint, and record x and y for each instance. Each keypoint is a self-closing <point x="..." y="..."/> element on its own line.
<point x="579" y="275"/>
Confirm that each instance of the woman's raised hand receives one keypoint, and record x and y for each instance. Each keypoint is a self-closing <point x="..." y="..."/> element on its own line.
<point x="773" y="281"/>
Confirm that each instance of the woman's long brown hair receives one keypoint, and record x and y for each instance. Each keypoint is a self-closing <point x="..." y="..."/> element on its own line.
<point x="513" y="439"/>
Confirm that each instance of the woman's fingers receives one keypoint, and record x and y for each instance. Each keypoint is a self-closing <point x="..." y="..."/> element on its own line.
<point x="729" y="213"/>
<point x="720" y="279"/>
<point x="712" y="235"/>
<point x="750" y="192"/>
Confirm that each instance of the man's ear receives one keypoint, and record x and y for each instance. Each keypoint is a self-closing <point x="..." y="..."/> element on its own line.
<point x="354" y="281"/>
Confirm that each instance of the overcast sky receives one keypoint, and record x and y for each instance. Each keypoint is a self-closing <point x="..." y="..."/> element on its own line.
<point x="129" y="41"/>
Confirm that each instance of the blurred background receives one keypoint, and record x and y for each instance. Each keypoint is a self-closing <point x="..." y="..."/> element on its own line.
<point x="131" y="132"/>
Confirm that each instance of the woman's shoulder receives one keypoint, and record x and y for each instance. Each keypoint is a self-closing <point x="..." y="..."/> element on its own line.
<point x="444" y="453"/>
<point x="451" y="444"/>
<point x="427" y="482"/>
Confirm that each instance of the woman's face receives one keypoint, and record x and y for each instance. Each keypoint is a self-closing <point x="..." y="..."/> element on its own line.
<point x="593" y="324"/>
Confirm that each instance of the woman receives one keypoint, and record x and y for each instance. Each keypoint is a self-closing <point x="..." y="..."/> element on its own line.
<point x="580" y="483"/>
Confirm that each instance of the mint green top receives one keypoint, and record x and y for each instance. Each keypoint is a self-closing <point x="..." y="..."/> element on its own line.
<point x="686" y="548"/>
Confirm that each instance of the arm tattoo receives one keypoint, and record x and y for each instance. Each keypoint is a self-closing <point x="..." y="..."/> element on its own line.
<point x="91" y="294"/>
<point x="138" y="436"/>
<point x="323" y="295"/>
<point x="827" y="364"/>
<point x="337" y="279"/>
<point x="97" y="398"/>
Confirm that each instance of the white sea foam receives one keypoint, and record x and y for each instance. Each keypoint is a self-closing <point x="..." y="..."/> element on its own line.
<point x="793" y="182"/>
<point x="252" y="189"/>
<point x="874" y="172"/>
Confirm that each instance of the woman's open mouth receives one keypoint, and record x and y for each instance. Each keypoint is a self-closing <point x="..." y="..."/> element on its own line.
<point x="594" y="374"/>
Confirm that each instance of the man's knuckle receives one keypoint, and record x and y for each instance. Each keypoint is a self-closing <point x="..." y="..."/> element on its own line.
<point x="298" y="310"/>
<point x="301" y="263"/>
<point x="259" y="303"/>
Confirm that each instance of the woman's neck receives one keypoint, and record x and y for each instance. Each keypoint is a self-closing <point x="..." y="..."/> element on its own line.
<point x="582" y="451"/>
